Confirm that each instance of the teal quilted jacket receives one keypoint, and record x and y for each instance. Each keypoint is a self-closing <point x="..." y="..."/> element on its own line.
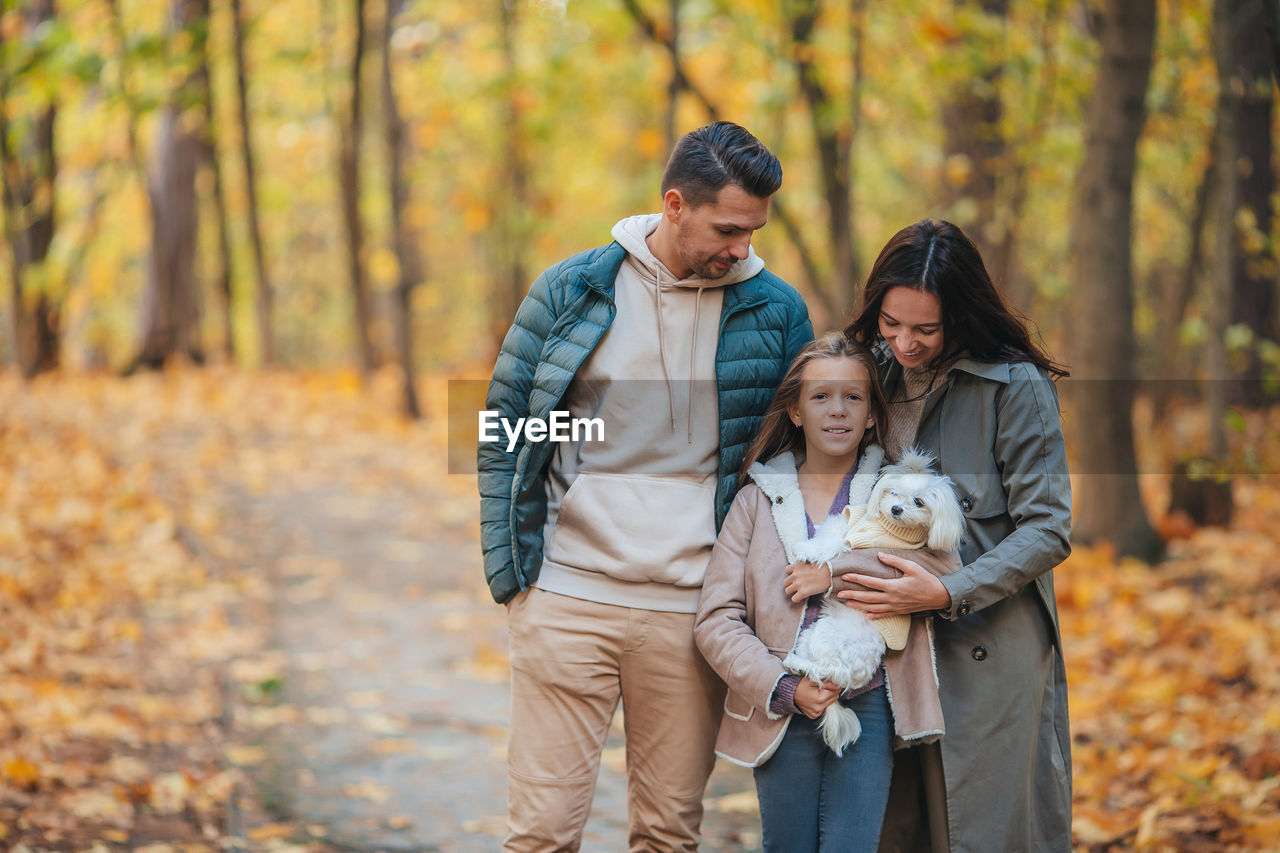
<point x="763" y="324"/>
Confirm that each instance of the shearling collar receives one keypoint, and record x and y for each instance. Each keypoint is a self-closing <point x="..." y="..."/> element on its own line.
<point x="777" y="479"/>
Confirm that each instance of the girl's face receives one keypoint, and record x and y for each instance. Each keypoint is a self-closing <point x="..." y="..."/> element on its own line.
<point x="911" y="321"/>
<point x="834" y="409"/>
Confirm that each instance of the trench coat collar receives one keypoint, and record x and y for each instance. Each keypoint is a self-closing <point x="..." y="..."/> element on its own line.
<point x="995" y="371"/>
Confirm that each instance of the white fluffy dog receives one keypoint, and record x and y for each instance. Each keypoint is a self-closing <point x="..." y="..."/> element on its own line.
<point x="910" y="506"/>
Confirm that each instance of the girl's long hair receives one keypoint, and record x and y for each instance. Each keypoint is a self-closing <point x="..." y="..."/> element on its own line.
<point x="936" y="257"/>
<point x="777" y="432"/>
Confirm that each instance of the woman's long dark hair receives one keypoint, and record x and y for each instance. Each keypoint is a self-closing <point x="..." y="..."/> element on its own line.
<point x="777" y="432"/>
<point x="936" y="257"/>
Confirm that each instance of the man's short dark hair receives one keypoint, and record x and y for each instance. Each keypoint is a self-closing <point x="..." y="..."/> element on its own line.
<point x="709" y="158"/>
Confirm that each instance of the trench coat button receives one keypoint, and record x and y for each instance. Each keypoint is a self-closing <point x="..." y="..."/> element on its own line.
<point x="963" y="609"/>
<point x="979" y="653"/>
<point x="966" y="503"/>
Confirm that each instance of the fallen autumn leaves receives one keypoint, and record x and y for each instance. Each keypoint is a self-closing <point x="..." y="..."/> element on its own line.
<point x="123" y="629"/>
<point x="115" y="636"/>
<point x="1173" y="689"/>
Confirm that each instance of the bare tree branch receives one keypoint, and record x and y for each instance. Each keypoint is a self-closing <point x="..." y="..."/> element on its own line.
<point x="669" y="42"/>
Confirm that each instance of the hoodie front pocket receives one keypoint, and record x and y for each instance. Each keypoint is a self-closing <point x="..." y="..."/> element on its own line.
<point x="636" y="529"/>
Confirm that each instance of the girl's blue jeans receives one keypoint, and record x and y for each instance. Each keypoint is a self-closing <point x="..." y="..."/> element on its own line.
<point x="812" y="801"/>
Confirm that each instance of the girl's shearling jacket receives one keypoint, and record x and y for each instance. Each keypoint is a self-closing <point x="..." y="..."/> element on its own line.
<point x="746" y="623"/>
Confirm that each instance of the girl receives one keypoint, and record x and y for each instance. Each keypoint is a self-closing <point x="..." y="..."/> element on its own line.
<point x="967" y="383"/>
<point x="819" y="452"/>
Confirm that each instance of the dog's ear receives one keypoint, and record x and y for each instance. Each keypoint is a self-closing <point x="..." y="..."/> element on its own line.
<point x="947" y="528"/>
<point x="877" y="492"/>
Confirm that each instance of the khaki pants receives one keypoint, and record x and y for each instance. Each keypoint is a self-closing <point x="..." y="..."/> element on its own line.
<point x="571" y="662"/>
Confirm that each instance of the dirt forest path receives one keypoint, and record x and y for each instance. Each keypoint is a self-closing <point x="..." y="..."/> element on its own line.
<point x="399" y="676"/>
<point x="381" y="709"/>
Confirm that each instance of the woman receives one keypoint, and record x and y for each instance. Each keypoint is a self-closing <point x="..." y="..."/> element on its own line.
<point x="966" y="383"/>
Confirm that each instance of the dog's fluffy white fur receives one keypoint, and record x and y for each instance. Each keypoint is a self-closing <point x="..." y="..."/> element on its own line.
<point x="910" y="506"/>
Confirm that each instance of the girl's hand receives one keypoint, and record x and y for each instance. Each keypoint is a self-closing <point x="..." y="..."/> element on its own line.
<point x="915" y="592"/>
<point x="806" y="579"/>
<point x="812" y="699"/>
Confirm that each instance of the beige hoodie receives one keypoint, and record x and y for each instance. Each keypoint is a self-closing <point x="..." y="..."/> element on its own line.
<point x="631" y="518"/>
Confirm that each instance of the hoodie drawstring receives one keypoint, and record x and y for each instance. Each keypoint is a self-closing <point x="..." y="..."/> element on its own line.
<point x="632" y="234"/>
<point x="693" y="360"/>
<point x="662" y="349"/>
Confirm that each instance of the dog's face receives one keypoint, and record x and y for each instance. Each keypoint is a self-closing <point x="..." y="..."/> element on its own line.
<point x="920" y="501"/>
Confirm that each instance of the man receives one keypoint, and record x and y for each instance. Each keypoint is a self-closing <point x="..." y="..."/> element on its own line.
<point x="673" y="336"/>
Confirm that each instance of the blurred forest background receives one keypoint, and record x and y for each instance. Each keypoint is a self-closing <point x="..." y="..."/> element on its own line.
<point x="252" y="196"/>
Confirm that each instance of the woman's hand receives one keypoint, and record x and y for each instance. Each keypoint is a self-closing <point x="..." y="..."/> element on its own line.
<point x="915" y="592"/>
<point x="812" y="699"/>
<point x="806" y="579"/>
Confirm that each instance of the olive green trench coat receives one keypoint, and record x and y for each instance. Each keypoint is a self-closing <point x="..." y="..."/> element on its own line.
<point x="995" y="430"/>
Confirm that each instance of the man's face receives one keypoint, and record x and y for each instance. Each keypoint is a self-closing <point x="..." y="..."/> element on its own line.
<point x="713" y="237"/>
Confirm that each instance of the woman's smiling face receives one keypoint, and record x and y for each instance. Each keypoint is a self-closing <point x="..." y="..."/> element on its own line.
<point x="911" y="321"/>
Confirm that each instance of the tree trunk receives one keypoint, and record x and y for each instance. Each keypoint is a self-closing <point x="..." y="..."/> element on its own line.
<point x="1108" y="503"/>
<point x="676" y="83"/>
<point x="1177" y="287"/>
<point x="349" y="177"/>
<point x="1216" y="308"/>
<point x="833" y="138"/>
<point x="824" y="305"/>
<point x="266" y="340"/>
<point x="1003" y="260"/>
<point x="1244" y="114"/>
<point x="406" y="246"/>
<point x="857" y="40"/>
<point x="126" y="92"/>
<point x="1271" y="11"/>
<point x="169" y="305"/>
<point x="1201" y="483"/>
<point x="1201" y="490"/>
<point x="514" y="203"/>
<point x="209" y="138"/>
<point x="29" y="182"/>
<point x="971" y="116"/>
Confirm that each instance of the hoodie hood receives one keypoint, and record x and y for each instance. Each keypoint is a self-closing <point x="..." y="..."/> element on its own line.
<point x="632" y="233"/>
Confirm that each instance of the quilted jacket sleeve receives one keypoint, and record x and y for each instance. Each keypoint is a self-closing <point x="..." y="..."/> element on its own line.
<point x="508" y="395"/>
<point x="799" y="333"/>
